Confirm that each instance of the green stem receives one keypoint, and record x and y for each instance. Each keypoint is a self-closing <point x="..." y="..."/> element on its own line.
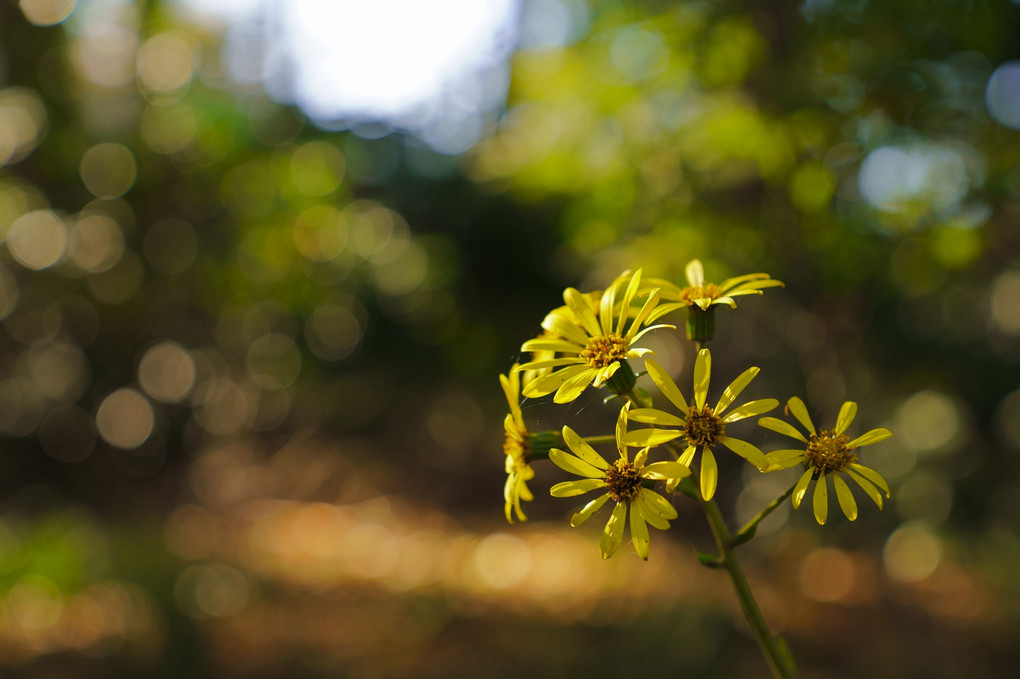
<point x="772" y="647"/>
<point x="751" y="527"/>
<point x="608" y="438"/>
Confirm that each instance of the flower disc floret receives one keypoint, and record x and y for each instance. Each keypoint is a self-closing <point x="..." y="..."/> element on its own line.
<point x="622" y="481"/>
<point x="704" y="427"/>
<point x="601" y="352"/>
<point x="827" y="451"/>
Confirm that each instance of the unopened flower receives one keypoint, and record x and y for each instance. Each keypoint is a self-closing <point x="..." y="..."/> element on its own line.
<point x="594" y="336"/>
<point x="828" y="453"/>
<point x="623" y="482"/>
<point x="515" y="447"/>
<point x="701" y="426"/>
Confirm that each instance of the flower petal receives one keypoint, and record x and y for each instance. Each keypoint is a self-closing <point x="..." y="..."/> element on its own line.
<point x="639" y="533"/>
<point x="737" y="281"/>
<point x="750" y="409"/>
<point x="846" y="415"/>
<point x="781" y="427"/>
<point x="754" y="287"/>
<point x="604" y="374"/>
<point x="867" y="486"/>
<point x="709" y="474"/>
<point x="650" y="437"/>
<point x="574" y="465"/>
<point x="873" y="436"/>
<point x="783" y="459"/>
<point x="552" y="363"/>
<point x="612" y="536"/>
<point x="575" y="386"/>
<point x="688" y="456"/>
<point x="702" y="374"/>
<point x="749" y="452"/>
<point x="801" y="488"/>
<point x="799" y="411"/>
<point x="583" y="449"/>
<point x="606" y="305"/>
<point x="641" y="334"/>
<point x="820" y="501"/>
<point x="552" y="344"/>
<point x="628" y="297"/>
<point x="871" y="475"/>
<point x="666" y="384"/>
<point x="656" y="505"/>
<point x="547" y="384"/>
<point x="648" y="510"/>
<point x="845" y="497"/>
<point x="583" y="308"/>
<point x="734" y="389"/>
<point x="557" y="322"/>
<point x="642" y="315"/>
<point x="661" y="471"/>
<point x="695" y="273"/>
<point x="579" y="487"/>
<point x="653" y="416"/>
<point x="580" y="517"/>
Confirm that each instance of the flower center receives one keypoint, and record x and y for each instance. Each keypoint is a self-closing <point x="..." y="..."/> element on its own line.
<point x="827" y="451"/>
<point x="604" y="350"/>
<point x="708" y="290"/>
<point x="623" y="481"/>
<point x="704" y="427"/>
<point x="515" y="448"/>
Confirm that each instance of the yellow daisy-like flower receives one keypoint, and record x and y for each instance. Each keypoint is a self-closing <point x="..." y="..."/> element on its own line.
<point x="593" y="334"/>
<point x="516" y="447"/>
<point x="623" y="481"/>
<point x="704" y="295"/>
<point x="828" y="453"/>
<point x="701" y="425"/>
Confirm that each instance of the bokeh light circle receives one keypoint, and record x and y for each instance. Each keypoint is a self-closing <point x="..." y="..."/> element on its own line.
<point x="108" y="170"/>
<point x="1002" y="95"/>
<point x="125" y="419"/>
<point x="167" y="372"/>
<point x="37" y="240"/>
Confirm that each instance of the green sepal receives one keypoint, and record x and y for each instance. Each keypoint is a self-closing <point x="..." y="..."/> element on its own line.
<point x="709" y="560"/>
<point x="539" y="444"/>
<point x="623" y="380"/>
<point x="744" y="535"/>
<point x="700" y="323"/>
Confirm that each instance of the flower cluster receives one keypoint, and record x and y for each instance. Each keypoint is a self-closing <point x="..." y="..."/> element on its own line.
<point x="591" y="341"/>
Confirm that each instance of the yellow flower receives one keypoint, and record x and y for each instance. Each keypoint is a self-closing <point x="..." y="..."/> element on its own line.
<point x="592" y="334"/>
<point x="703" y="295"/>
<point x="623" y="481"/>
<point x="700" y="425"/>
<point x="829" y="453"/>
<point x="516" y="447"/>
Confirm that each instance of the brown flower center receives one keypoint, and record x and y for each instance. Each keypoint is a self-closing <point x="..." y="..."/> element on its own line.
<point x="704" y="427"/>
<point x="708" y="290"/>
<point x="827" y="451"/>
<point x="622" y="481"/>
<point x="604" y="350"/>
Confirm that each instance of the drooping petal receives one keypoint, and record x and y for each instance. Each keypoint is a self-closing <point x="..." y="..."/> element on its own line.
<point x="781" y="427"/>
<point x="846" y="415"/>
<point x="820" y="502"/>
<point x="801" y="488"/>
<point x="871" y="475"/>
<point x="750" y="409"/>
<point x="709" y="474"/>
<point x="734" y="389"/>
<point x="746" y="450"/>
<point x="653" y="416"/>
<point x="753" y="287"/>
<point x="702" y="374"/>
<point x="649" y="511"/>
<point x="867" y="486"/>
<point x="845" y="497"/>
<point x="578" y="487"/>
<point x="574" y="465"/>
<point x="575" y="386"/>
<point x="552" y="344"/>
<point x="639" y="533"/>
<point x="650" y="437"/>
<point x="584" y="310"/>
<point x="695" y="273"/>
<point x="583" y="449"/>
<point x="873" y="436"/>
<point x="612" y="536"/>
<point x="737" y="281"/>
<point x="580" y="517"/>
<point x="511" y="388"/>
<point x="666" y="384"/>
<point x="661" y="471"/>
<point x="547" y="384"/>
<point x="722" y="300"/>
<point x="656" y="504"/>
<point x="799" y="411"/>
<point x="783" y="459"/>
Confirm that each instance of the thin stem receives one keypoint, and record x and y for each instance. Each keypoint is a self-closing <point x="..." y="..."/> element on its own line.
<point x="608" y="438"/>
<point x="751" y="527"/>
<point x="777" y="656"/>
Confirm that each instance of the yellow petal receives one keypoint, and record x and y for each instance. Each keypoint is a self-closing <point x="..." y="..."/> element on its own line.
<point x="709" y="474"/>
<point x="628" y="296"/>
<point x="867" y="486"/>
<point x="606" y="305"/>
<point x="656" y="504"/>
<point x="612" y="536"/>
<point x="734" y="389"/>
<point x="846" y="416"/>
<point x="799" y="411"/>
<point x="582" y="307"/>
<point x="749" y="452"/>
<point x="649" y="511"/>
<point x="559" y="324"/>
<point x="650" y="437"/>
<point x="871" y="475"/>
<point x="583" y="449"/>
<point x="781" y="427"/>
<point x="580" y="517"/>
<point x="666" y="384"/>
<point x="801" y="488"/>
<point x="873" y="436"/>
<point x="820" y="501"/>
<point x="575" y="386"/>
<point x="547" y="384"/>
<point x="653" y="416"/>
<point x="695" y="273"/>
<point x="783" y="459"/>
<point x="639" y="533"/>
<point x="702" y="374"/>
<point x="579" y="487"/>
<point x="845" y="497"/>
<point x="661" y="471"/>
<point x="688" y="456"/>
<point x="574" y="465"/>
<point x="750" y="409"/>
<point x="552" y="344"/>
<point x="642" y="315"/>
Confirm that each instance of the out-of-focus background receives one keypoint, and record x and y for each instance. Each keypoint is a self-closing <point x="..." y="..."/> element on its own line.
<point x="262" y="262"/>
